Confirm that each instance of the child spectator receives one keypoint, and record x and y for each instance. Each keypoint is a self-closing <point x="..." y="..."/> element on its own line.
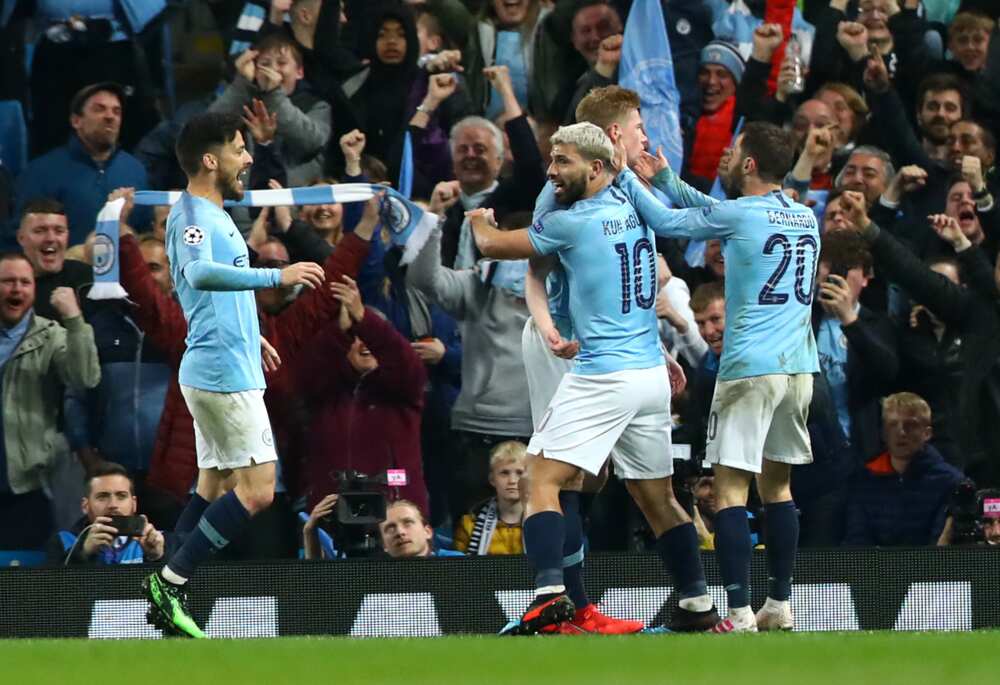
<point x="279" y="106"/>
<point x="494" y="527"/>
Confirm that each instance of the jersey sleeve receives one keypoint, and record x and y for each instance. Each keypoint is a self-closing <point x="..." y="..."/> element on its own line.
<point x="551" y="233"/>
<point x="545" y="203"/>
<point x="701" y="223"/>
<point x="191" y="242"/>
<point x="679" y="192"/>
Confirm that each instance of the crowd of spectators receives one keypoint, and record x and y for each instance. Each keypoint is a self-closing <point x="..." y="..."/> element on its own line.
<point x="418" y="368"/>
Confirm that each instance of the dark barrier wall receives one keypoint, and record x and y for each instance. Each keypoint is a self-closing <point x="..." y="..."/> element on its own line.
<point x="923" y="589"/>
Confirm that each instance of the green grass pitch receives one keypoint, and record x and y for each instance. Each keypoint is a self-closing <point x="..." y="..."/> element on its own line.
<point x="882" y="658"/>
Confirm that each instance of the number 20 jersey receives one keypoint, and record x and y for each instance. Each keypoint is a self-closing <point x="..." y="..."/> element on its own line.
<point x="771" y="250"/>
<point x="609" y="257"/>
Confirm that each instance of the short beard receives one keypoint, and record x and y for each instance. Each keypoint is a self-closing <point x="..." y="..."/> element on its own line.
<point x="929" y="133"/>
<point x="574" y="190"/>
<point x="230" y="190"/>
<point x="732" y="183"/>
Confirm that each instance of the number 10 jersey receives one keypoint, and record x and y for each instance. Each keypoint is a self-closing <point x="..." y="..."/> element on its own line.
<point x="609" y="257"/>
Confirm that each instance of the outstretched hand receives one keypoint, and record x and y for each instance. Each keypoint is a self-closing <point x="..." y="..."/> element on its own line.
<point x="648" y="166"/>
<point x="309" y="274"/>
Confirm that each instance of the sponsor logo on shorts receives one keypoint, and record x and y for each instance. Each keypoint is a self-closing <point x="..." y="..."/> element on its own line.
<point x="267" y="438"/>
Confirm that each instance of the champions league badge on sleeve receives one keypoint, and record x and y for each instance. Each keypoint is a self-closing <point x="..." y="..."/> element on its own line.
<point x="193" y="235"/>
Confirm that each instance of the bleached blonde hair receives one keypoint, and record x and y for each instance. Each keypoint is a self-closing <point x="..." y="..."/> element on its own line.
<point x="588" y="139"/>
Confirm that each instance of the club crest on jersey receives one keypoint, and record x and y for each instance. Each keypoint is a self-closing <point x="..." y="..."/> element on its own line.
<point x="193" y="235"/>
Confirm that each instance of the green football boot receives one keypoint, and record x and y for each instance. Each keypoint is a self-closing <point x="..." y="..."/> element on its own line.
<point x="168" y="610"/>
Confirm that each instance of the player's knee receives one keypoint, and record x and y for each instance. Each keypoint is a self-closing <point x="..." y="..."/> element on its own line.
<point x="774" y="483"/>
<point x="771" y="491"/>
<point x="257" y="499"/>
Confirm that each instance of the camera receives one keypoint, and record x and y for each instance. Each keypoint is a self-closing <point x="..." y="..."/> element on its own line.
<point x="964" y="509"/>
<point x="129" y="526"/>
<point x="361" y="505"/>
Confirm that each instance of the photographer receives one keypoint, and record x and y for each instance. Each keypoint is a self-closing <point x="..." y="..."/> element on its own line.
<point x="989" y="512"/>
<point x="94" y="539"/>
<point x="973" y="517"/>
<point x="404" y="532"/>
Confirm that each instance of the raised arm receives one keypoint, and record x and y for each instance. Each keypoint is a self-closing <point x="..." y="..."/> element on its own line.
<point x="202" y="272"/>
<point x="444" y="286"/>
<point x="666" y="180"/>
<point x="492" y="242"/>
<point x="948" y="301"/>
<point x="701" y="222"/>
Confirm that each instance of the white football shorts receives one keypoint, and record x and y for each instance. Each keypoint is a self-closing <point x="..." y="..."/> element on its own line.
<point x="624" y="414"/>
<point x="757" y="418"/>
<point x="231" y="429"/>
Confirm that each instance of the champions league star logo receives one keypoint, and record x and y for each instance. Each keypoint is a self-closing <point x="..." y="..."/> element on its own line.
<point x="104" y="254"/>
<point x="395" y="214"/>
<point x="193" y="235"/>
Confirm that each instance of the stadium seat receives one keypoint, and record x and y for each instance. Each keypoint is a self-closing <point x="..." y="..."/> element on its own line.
<point x="19" y="557"/>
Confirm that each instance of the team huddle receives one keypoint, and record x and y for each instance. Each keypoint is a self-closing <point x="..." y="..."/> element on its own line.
<point x="600" y="382"/>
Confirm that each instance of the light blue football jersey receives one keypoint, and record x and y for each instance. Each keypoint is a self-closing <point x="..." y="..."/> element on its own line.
<point x="609" y="259"/>
<point x="555" y="283"/>
<point x="771" y="249"/>
<point x="223" y="338"/>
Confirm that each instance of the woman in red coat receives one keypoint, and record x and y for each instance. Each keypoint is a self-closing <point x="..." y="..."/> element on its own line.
<point x="364" y="385"/>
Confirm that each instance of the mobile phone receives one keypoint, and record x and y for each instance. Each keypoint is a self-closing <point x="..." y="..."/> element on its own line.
<point x="129" y="526"/>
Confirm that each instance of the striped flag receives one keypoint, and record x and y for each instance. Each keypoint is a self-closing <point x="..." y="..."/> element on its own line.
<point x="409" y="225"/>
<point x="647" y="67"/>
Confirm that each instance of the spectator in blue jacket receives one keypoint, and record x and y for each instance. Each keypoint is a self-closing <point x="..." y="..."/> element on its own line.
<point x="901" y="496"/>
<point x="81" y="173"/>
